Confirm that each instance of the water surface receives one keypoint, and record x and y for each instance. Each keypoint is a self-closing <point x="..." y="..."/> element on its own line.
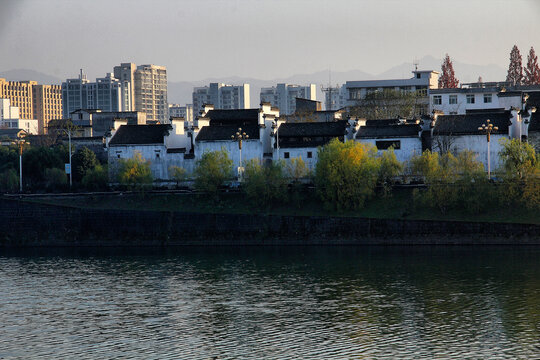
<point x="313" y="303"/>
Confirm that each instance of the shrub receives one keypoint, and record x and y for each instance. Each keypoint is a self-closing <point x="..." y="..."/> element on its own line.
<point x="266" y="184"/>
<point x="55" y="179"/>
<point x="212" y="170"/>
<point x="9" y="180"/>
<point x="389" y="167"/>
<point x="346" y="174"/>
<point x="178" y="174"/>
<point x="83" y="161"/>
<point x="135" y="172"/>
<point x="95" y="178"/>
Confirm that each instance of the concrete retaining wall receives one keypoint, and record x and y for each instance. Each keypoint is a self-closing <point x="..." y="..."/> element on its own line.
<point x="30" y="224"/>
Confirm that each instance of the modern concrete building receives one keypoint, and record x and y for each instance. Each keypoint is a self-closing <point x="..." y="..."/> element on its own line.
<point x="125" y="72"/>
<point x="284" y="96"/>
<point x="177" y="111"/>
<point x="222" y="96"/>
<point x="20" y="95"/>
<point x="335" y="98"/>
<point x="47" y="104"/>
<point x="151" y="93"/>
<point x="106" y="94"/>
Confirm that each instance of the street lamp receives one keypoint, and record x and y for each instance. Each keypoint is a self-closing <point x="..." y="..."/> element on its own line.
<point x="68" y="132"/>
<point x="20" y="142"/>
<point x="239" y="136"/>
<point x="488" y="129"/>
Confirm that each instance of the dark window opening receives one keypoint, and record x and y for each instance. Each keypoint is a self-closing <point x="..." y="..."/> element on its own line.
<point x="309" y="154"/>
<point x="383" y="145"/>
<point x="286" y="155"/>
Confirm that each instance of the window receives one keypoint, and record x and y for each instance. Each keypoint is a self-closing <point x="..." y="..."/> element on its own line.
<point x="418" y="75"/>
<point x="487" y="98"/>
<point x="470" y="99"/>
<point x="383" y="145"/>
<point x="452" y="99"/>
<point x="309" y="154"/>
<point x="437" y="99"/>
<point x="286" y="155"/>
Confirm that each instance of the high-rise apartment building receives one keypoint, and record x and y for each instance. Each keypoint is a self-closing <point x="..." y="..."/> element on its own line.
<point x="20" y="95"/>
<point x="35" y="102"/>
<point x="222" y="96"/>
<point x="151" y="92"/>
<point x="106" y="94"/>
<point x="47" y="104"/>
<point x="284" y="96"/>
<point x="185" y="112"/>
<point x="125" y="72"/>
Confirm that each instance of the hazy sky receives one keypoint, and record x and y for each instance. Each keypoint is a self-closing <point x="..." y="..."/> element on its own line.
<point x="264" y="39"/>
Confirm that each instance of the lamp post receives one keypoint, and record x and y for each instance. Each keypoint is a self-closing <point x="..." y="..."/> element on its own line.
<point x="68" y="132"/>
<point x="238" y="137"/>
<point x="20" y="142"/>
<point x="488" y="129"/>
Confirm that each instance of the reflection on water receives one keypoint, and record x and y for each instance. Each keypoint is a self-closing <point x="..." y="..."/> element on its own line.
<point x="318" y="302"/>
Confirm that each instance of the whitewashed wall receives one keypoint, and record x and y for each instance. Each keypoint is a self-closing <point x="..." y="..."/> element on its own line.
<point x="298" y="153"/>
<point x="409" y="147"/>
<point x="478" y="145"/>
<point x="251" y="149"/>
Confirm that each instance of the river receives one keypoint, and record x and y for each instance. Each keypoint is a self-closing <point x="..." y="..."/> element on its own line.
<point x="271" y="302"/>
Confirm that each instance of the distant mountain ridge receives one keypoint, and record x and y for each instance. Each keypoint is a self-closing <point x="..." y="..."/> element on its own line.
<point x="180" y="92"/>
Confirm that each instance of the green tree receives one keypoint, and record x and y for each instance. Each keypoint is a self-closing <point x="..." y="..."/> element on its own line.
<point x="83" y="161"/>
<point x="389" y="167"/>
<point x="95" y="178"/>
<point x="178" y="174"/>
<point x="519" y="158"/>
<point x="37" y="159"/>
<point x="264" y="184"/>
<point x="346" y="174"/>
<point x="212" y="170"/>
<point x="9" y="158"/>
<point x="55" y="179"/>
<point x="135" y="172"/>
<point x="297" y="170"/>
<point x="9" y="180"/>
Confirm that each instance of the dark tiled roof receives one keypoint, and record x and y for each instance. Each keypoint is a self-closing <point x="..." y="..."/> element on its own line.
<point x="224" y="132"/>
<point x="140" y="134"/>
<point x="237" y="116"/>
<point x="468" y="124"/>
<point x="335" y="128"/>
<point x="11" y="133"/>
<point x="388" y="131"/>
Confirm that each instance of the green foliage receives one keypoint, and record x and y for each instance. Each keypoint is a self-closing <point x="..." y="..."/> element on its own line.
<point x="386" y="104"/>
<point x="95" y="178"/>
<point x="389" y="167"/>
<point x="178" y="174"/>
<point x="212" y="170"/>
<point x="37" y="159"/>
<point x="264" y="185"/>
<point x="135" y="172"/>
<point x="452" y="182"/>
<point x="83" y="161"/>
<point x="296" y="169"/>
<point x="55" y="179"/>
<point x="9" y="158"/>
<point x="9" y="180"/>
<point x="519" y="158"/>
<point x="346" y="174"/>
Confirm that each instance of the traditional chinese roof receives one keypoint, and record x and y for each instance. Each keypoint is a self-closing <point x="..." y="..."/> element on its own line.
<point x="388" y="131"/>
<point x="236" y="116"/>
<point x="468" y="124"/>
<point x="224" y="132"/>
<point x="140" y="134"/>
<point x="311" y="129"/>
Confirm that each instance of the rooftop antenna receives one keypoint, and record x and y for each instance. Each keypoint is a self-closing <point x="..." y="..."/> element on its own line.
<point x="328" y="90"/>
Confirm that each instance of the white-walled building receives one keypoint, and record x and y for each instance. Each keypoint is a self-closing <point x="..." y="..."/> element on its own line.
<point x="421" y="82"/>
<point x="10" y="118"/>
<point x="284" y="96"/>
<point x="222" y="96"/>
<point x="456" y="133"/>
<point x="404" y="138"/>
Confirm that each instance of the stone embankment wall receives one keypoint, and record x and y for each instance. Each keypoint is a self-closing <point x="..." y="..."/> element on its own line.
<point x="30" y="224"/>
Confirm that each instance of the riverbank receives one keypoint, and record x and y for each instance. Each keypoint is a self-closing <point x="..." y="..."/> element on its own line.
<point x="33" y="223"/>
